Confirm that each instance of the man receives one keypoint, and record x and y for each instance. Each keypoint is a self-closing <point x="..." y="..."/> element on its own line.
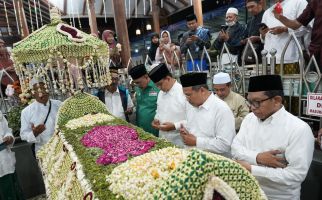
<point x="39" y="118"/>
<point x="255" y="8"/>
<point x="146" y="98"/>
<point x="312" y="11"/>
<point x="210" y="123"/>
<point x="232" y="35"/>
<point x="274" y="145"/>
<point x="275" y="35"/>
<point x="237" y="104"/>
<point x="195" y="40"/>
<point x="171" y="105"/>
<point x="9" y="184"/>
<point x="116" y="98"/>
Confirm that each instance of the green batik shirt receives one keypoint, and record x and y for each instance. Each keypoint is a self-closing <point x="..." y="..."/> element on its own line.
<point x="146" y="106"/>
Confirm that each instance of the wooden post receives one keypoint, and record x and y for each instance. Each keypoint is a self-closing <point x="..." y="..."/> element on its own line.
<point x="92" y="17"/>
<point x="122" y="30"/>
<point x="264" y="4"/>
<point x="156" y="16"/>
<point x="21" y="18"/>
<point x="197" y="7"/>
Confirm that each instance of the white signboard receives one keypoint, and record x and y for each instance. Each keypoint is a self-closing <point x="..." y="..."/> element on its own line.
<point x="314" y="104"/>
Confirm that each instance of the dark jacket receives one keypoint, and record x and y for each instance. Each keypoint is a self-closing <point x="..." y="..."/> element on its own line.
<point x="236" y="34"/>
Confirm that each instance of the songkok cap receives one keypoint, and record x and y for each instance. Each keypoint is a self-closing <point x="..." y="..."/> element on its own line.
<point x="159" y="72"/>
<point x="265" y="83"/>
<point x="35" y="81"/>
<point x="193" y="79"/>
<point x="114" y="70"/>
<point x="191" y="17"/>
<point x="137" y="71"/>
<point x="221" y="78"/>
<point x="232" y="10"/>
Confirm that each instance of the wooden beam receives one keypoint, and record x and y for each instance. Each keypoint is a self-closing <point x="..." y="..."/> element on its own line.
<point x="171" y="4"/>
<point x="263" y="2"/>
<point x="197" y="7"/>
<point x="65" y="7"/>
<point x="183" y="2"/>
<point x="92" y="17"/>
<point x="22" y="18"/>
<point x="122" y="30"/>
<point x="84" y="7"/>
<point x="137" y="5"/>
<point x="147" y="10"/>
<point x="156" y="16"/>
<point x="102" y="8"/>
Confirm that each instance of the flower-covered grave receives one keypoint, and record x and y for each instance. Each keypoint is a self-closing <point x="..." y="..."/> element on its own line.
<point x="71" y="160"/>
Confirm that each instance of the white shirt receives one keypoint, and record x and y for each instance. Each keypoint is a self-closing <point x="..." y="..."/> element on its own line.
<point x="113" y="103"/>
<point x="213" y="125"/>
<point x="36" y="114"/>
<point x="291" y="9"/>
<point x="171" y="107"/>
<point x="7" y="157"/>
<point x="281" y="131"/>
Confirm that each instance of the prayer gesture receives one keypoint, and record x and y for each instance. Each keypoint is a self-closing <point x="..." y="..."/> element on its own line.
<point x="37" y="130"/>
<point x="271" y="159"/>
<point x="167" y="126"/>
<point x="156" y="124"/>
<point x="188" y="138"/>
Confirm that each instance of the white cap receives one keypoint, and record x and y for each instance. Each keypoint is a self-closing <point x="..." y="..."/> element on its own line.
<point x="34" y="81"/>
<point x="221" y="78"/>
<point x="232" y="10"/>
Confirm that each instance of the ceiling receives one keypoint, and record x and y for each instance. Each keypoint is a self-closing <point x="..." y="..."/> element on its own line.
<point x="133" y="8"/>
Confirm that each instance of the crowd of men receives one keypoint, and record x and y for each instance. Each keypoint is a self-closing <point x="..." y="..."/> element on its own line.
<point x="257" y="132"/>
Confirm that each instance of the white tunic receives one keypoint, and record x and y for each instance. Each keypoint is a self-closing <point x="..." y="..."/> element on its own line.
<point x="7" y="157"/>
<point x="213" y="125"/>
<point x="36" y="114"/>
<point x="291" y="9"/>
<point x="113" y="103"/>
<point x="281" y="131"/>
<point x="171" y="107"/>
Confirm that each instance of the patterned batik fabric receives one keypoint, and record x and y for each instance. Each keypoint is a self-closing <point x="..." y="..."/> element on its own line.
<point x="189" y="180"/>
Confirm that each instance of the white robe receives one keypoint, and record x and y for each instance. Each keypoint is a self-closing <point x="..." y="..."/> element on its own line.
<point x="291" y="9"/>
<point x="36" y="114"/>
<point x="213" y="125"/>
<point x="7" y="157"/>
<point x="171" y="107"/>
<point x="281" y="131"/>
<point x="114" y="105"/>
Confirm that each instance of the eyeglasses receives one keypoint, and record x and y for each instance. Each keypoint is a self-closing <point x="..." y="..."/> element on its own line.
<point x="257" y="104"/>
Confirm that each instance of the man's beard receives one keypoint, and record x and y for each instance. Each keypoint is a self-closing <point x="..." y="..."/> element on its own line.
<point x="230" y="23"/>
